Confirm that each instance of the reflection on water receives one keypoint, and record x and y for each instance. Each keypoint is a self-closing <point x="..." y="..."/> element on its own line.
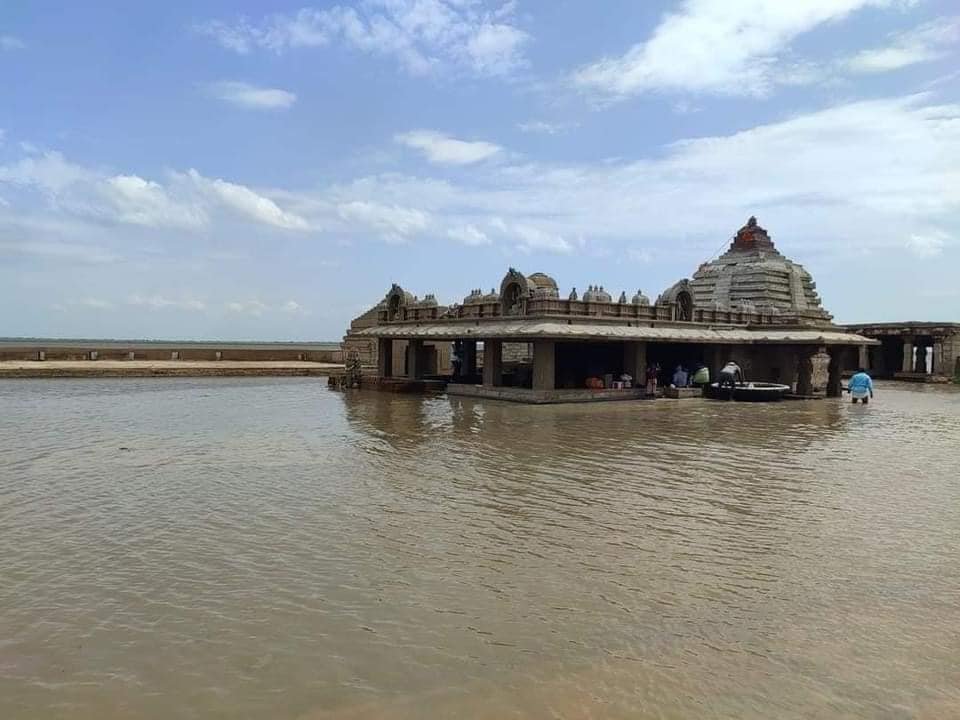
<point x="268" y="548"/>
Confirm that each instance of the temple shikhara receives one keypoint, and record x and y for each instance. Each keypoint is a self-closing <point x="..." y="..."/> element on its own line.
<point x="525" y="340"/>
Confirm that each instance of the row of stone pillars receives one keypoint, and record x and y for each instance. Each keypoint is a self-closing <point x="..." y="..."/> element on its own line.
<point x="915" y="356"/>
<point x="414" y="362"/>
<point x="816" y="369"/>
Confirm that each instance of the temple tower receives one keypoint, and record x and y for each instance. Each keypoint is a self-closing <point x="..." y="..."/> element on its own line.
<point x="753" y="276"/>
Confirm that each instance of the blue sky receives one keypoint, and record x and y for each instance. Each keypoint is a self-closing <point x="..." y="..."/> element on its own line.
<point x="265" y="171"/>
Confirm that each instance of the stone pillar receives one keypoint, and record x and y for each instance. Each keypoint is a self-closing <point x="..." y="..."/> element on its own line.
<point x="834" y="386"/>
<point x="544" y="365"/>
<point x="635" y="361"/>
<point x="863" y="357"/>
<point x="788" y="367"/>
<point x="469" y="358"/>
<point x="492" y="363"/>
<point x="937" y="366"/>
<point x="821" y="371"/>
<point x="415" y="359"/>
<point x="400" y="358"/>
<point x="805" y="372"/>
<point x="385" y="357"/>
<point x="920" y="363"/>
<point x="907" y="355"/>
<point x="716" y="359"/>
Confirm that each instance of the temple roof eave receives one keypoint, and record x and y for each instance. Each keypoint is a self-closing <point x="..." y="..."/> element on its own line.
<point x="524" y="330"/>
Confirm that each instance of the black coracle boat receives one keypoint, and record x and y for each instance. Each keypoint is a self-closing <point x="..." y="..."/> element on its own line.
<point x="747" y="392"/>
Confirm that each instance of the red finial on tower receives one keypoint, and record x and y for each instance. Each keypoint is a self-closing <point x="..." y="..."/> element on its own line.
<point x="751" y="237"/>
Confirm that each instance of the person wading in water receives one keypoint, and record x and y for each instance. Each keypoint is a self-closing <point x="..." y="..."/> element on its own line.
<point x="861" y="387"/>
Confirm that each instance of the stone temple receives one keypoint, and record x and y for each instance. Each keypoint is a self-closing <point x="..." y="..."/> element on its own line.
<point x="527" y="341"/>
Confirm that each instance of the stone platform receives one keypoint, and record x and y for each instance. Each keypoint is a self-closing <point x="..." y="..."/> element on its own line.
<point x="922" y="377"/>
<point x="682" y="393"/>
<point x="543" y="397"/>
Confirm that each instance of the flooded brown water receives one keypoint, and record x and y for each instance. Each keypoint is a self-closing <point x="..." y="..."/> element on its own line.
<point x="256" y="548"/>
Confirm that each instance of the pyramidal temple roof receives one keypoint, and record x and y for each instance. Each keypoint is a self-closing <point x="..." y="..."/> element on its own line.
<point x="753" y="275"/>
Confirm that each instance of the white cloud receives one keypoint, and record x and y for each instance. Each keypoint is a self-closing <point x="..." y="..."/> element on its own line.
<point x="90" y="193"/>
<point x="67" y="252"/>
<point x="248" y="203"/>
<point x="642" y="256"/>
<point x="182" y="201"/>
<point x="50" y="172"/>
<point x="250" y="96"/>
<point x="95" y="303"/>
<point x="423" y="35"/>
<point x="445" y="150"/>
<point x="468" y="235"/>
<point x="930" y="41"/>
<point x="9" y="42"/>
<point x="247" y="307"/>
<point x="137" y="201"/>
<point x="927" y="245"/>
<point x="734" y="47"/>
<point x="533" y="238"/>
<point x="395" y="223"/>
<point x="294" y="308"/>
<point x="496" y="49"/>
<point x="160" y="302"/>
<point x="544" y="128"/>
<point x="859" y="174"/>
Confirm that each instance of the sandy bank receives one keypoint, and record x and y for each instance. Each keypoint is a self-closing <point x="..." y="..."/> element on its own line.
<point x="160" y="368"/>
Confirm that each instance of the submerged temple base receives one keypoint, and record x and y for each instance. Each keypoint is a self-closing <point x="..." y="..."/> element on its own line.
<point x="542" y="397"/>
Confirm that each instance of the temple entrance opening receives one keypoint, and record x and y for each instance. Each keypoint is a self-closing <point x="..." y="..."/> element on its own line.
<point x="578" y="361"/>
<point x="886" y="359"/>
<point x="922" y="355"/>
<point x="670" y="356"/>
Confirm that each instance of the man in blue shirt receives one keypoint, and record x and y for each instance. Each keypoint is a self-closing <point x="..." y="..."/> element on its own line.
<point x="860" y="387"/>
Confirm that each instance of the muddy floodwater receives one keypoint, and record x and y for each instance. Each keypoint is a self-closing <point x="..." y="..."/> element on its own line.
<point x="267" y="548"/>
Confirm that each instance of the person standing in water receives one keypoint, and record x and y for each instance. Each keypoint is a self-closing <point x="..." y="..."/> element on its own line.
<point x="861" y="387"/>
<point x="653" y="372"/>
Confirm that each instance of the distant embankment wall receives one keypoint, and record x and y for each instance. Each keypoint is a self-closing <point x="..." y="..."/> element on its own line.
<point x="310" y="352"/>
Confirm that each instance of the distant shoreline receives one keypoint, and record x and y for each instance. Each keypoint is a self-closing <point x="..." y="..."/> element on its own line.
<point x="32" y="369"/>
